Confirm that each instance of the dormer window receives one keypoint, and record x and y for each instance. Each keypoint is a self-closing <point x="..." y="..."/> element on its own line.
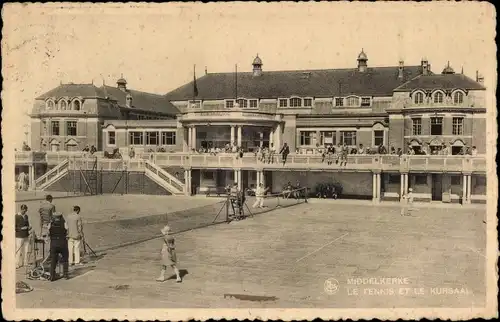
<point x="458" y="98"/>
<point x="76" y="105"/>
<point x="366" y="101"/>
<point x="195" y="104"/>
<point x="295" y="102"/>
<point x="243" y="103"/>
<point x="339" y="101"/>
<point x="253" y="103"/>
<point x="50" y="105"/>
<point x="438" y="97"/>
<point x="229" y="103"/>
<point x="353" y="101"/>
<point x="308" y="102"/>
<point x="62" y="104"/>
<point x="283" y="102"/>
<point x="419" y="98"/>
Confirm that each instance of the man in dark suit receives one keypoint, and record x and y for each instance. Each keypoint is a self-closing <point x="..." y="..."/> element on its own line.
<point x="58" y="231"/>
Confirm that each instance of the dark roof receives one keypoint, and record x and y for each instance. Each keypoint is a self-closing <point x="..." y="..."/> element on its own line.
<point x="440" y="81"/>
<point x="73" y="90"/>
<point x="376" y="81"/>
<point x="141" y="100"/>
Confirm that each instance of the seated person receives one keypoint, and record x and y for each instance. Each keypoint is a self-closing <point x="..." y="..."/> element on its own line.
<point x="297" y="191"/>
<point x="287" y="192"/>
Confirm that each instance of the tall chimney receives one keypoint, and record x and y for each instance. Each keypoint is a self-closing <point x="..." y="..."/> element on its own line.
<point x="401" y="69"/>
<point x="479" y="78"/>
<point x="425" y="66"/>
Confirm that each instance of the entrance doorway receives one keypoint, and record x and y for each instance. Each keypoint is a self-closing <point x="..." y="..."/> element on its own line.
<point x="437" y="187"/>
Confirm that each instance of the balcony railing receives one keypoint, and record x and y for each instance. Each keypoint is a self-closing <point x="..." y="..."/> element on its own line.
<point x="414" y="163"/>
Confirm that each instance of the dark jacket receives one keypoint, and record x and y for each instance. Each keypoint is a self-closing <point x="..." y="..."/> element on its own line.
<point x="22" y="222"/>
<point x="58" y="230"/>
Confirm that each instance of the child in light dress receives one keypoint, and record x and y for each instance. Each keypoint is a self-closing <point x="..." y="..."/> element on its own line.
<point x="168" y="255"/>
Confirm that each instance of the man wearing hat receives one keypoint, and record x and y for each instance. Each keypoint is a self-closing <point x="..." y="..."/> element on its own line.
<point x="58" y="231"/>
<point x="168" y="255"/>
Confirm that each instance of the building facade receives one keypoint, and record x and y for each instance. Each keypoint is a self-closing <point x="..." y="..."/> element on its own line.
<point x="362" y="108"/>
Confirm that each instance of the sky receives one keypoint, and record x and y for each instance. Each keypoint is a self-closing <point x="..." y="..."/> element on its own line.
<point x="155" y="46"/>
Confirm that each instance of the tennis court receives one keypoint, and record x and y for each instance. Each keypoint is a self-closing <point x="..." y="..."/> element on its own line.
<point x="286" y="257"/>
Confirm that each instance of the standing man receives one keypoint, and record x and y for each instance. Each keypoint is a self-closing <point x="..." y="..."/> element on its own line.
<point x="46" y="211"/>
<point x="75" y="235"/>
<point x="285" y="151"/>
<point x="260" y="191"/>
<point x="58" y="231"/>
<point x="22" y="236"/>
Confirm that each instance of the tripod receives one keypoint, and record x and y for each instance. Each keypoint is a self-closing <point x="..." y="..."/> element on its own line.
<point x="235" y="208"/>
<point x="87" y="248"/>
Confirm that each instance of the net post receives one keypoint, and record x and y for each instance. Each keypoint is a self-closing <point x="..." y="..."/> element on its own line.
<point x="227" y="208"/>
<point x="306" y="193"/>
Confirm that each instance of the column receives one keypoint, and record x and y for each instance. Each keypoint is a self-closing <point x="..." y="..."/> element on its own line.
<point x="278" y="137"/>
<point x="187" y="180"/>
<point x="258" y="181"/>
<point x="194" y="138"/>
<point x="185" y="140"/>
<point x="374" y="187"/>
<point x="379" y="186"/>
<point x="261" y="143"/>
<point x="271" y="137"/>
<point x="402" y="186"/>
<point x="239" y="136"/>
<point x="232" y="135"/>
<point x="464" y="189"/>
<point x="469" y="188"/>
<point x="31" y="177"/>
<point x="406" y="183"/>
<point x="190" y="139"/>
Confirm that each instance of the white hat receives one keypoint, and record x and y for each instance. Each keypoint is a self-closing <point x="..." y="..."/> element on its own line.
<point x="410" y="190"/>
<point x="165" y="230"/>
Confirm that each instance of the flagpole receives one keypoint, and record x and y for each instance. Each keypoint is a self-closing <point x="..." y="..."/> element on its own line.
<point x="194" y="80"/>
<point x="236" y="82"/>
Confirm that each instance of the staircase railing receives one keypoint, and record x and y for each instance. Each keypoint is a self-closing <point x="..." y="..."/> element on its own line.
<point x="165" y="176"/>
<point x="45" y="179"/>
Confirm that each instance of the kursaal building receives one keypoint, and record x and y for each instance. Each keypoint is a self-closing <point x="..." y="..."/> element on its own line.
<point x="398" y="107"/>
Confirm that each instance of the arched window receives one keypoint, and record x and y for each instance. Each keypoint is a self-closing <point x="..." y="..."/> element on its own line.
<point x="63" y="104"/>
<point x="50" y="105"/>
<point x="295" y="102"/>
<point x="76" y="105"/>
<point x="353" y="101"/>
<point x="419" y="98"/>
<point x="242" y="102"/>
<point x="458" y="98"/>
<point x="438" y="97"/>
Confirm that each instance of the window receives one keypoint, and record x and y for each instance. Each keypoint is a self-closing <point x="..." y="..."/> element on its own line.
<point x="111" y="138"/>
<point x="417" y="126"/>
<point x="308" y="102"/>
<point x="458" y="98"/>
<point x="394" y="178"/>
<point x="195" y="104"/>
<point x="283" y="102"/>
<point x="378" y="137"/>
<point x="420" y="179"/>
<point x="419" y="98"/>
<point x="348" y="137"/>
<point x="76" y="105"/>
<point x="328" y="137"/>
<point x="253" y="103"/>
<point x="229" y="104"/>
<point x="50" y="105"/>
<point x="71" y="128"/>
<point x="458" y="126"/>
<point x="152" y="138"/>
<point x="436" y="125"/>
<point x="339" y="101"/>
<point x="63" y="104"/>
<point x="438" y="97"/>
<point x="135" y="138"/>
<point x="456" y="180"/>
<point x="243" y="103"/>
<point x="168" y="138"/>
<point x="306" y="137"/>
<point x="295" y="102"/>
<point x="353" y="101"/>
<point x="54" y="126"/>
<point x="366" y="101"/>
